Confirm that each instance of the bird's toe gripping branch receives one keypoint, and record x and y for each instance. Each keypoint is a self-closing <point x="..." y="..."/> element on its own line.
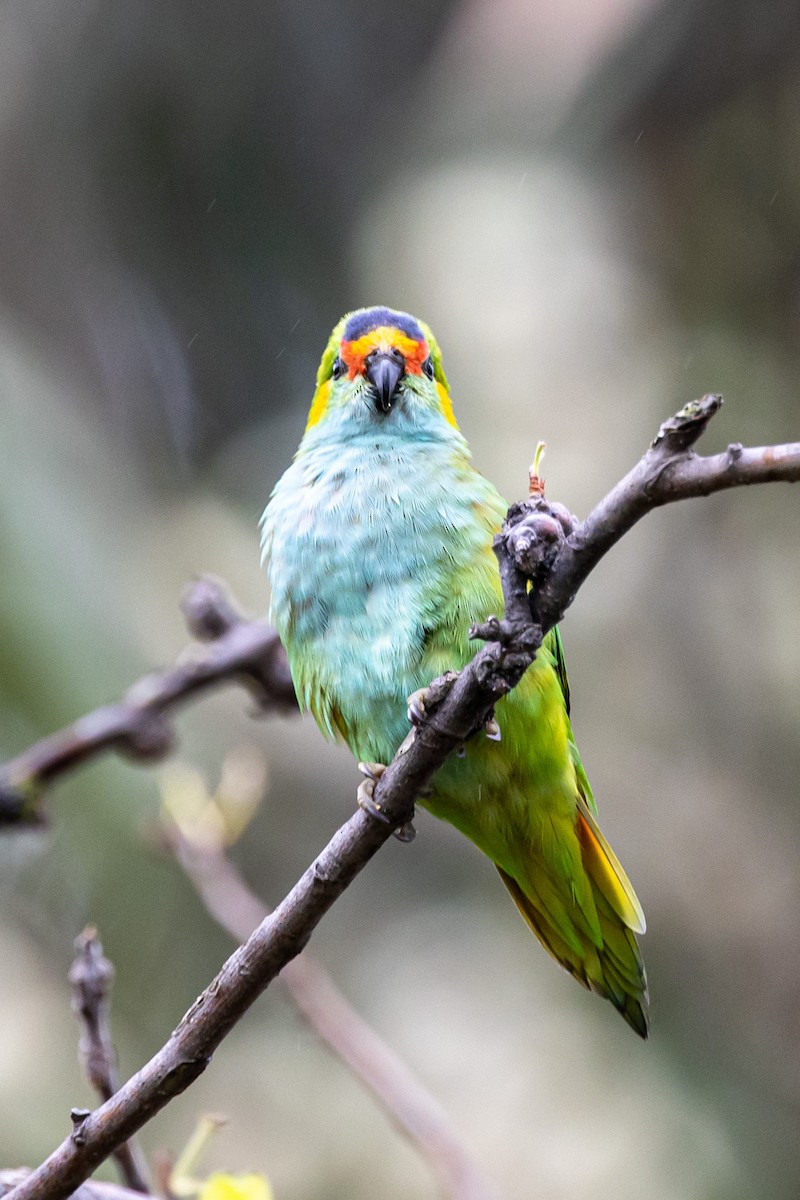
<point x="425" y="701"/>
<point x="366" y="800"/>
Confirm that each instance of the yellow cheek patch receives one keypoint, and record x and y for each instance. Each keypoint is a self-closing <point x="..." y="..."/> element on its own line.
<point x="447" y="405"/>
<point x="354" y="354"/>
<point x="319" y="404"/>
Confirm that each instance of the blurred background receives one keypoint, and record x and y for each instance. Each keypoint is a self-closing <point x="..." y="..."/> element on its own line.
<point x="596" y="205"/>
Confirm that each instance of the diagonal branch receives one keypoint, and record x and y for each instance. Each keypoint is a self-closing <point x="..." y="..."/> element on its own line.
<point x="668" y="471"/>
<point x="319" y="1001"/>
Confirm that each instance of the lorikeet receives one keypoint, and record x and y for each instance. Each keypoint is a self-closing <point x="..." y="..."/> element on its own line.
<point x="379" y="541"/>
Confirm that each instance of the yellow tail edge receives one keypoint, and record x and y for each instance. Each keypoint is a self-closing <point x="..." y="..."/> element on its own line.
<point x="617" y="972"/>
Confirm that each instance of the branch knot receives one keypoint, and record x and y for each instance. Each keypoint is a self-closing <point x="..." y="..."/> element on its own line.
<point x="682" y="430"/>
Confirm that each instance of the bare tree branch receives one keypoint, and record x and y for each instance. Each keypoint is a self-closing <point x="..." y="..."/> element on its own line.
<point x="557" y="564"/>
<point x="403" y="1096"/>
<point x="246" y="651"/>
<point x="667" y="472"/>
<point x="250" y="652"/>
<point x="91" y="976"/>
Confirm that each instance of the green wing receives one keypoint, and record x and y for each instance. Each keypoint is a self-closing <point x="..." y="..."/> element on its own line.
<point x="554" y="644"/>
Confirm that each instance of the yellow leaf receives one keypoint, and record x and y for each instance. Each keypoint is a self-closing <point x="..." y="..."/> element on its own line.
<point x="221" y="1186"/>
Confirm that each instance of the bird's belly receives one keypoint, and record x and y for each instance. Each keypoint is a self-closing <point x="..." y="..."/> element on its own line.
<point x="365" y="657"/>
<point x="380" y="559"/>
<point x="369" y="596"/>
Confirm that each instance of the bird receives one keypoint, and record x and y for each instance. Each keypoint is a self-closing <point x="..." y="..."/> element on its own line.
<point x="378" y="544"/>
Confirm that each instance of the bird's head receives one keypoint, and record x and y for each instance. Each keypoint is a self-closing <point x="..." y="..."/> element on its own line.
<point x="380" y="367"/>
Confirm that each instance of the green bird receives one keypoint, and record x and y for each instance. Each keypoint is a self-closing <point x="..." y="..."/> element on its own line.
<point x="379" y="542"/>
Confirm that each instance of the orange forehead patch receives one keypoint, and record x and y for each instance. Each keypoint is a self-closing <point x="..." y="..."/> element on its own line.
<point x="385" y="337"/>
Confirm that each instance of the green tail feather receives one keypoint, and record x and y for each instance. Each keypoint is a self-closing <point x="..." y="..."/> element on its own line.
<point x="614" y="969"/>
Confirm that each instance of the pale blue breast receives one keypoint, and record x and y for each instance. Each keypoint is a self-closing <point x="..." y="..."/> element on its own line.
<point x="370" y="541"/>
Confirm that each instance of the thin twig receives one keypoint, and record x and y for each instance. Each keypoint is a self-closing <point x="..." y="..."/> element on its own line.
<point x="91" y="976"/>
<point x="246" y="651"/>
<point x="494" y="670"/>
<point x="317" y="998"/>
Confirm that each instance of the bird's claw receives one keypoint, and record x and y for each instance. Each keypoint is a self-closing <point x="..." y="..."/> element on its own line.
<point x="365" y="797"/>
<point x="405" y="832"/>
<point x="492" y="730"/>
<point x="422" y="702"/>
<point x="416" y="706"/>
<point x="372" y="770"/>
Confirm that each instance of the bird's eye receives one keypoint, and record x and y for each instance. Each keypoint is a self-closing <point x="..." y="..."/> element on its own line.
<point x="427" y="367"/>
<point x="338" y="368"/>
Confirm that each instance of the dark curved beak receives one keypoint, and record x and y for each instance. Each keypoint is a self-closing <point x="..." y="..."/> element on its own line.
<point x="384" y="371"/>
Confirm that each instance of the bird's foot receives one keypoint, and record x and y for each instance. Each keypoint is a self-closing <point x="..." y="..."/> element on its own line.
<point x="406" y="832"/>
<point x="366" y="800"/>
<point x="492" y="729"/>
<point x="416" y="706"/>
<point x="423" y="702"/>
